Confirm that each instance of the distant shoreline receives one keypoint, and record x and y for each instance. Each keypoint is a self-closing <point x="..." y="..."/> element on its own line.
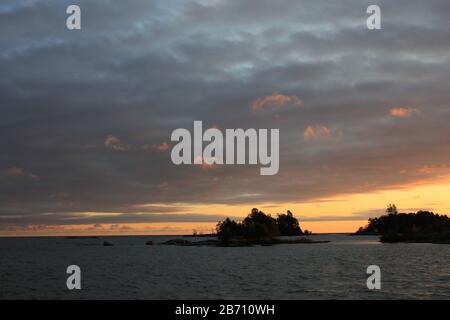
<point x="241" y="242"/>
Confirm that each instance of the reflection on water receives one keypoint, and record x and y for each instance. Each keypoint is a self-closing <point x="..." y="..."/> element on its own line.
<point x="35" y="268"/>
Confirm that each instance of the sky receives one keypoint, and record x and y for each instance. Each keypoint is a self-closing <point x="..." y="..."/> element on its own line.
<point x="86" y="115"/>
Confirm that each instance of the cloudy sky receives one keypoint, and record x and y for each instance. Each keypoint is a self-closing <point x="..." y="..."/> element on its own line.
<point x="86" y="116"/>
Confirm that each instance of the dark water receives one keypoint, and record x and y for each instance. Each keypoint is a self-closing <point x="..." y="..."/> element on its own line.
<point x="36" y="268"/>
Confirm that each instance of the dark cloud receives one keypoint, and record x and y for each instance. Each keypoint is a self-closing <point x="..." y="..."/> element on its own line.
<point x="96" y="220"/>
<point x="70" y="100"/>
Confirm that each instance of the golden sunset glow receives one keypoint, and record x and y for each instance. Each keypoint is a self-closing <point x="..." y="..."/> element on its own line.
<point x="337" y="214"/>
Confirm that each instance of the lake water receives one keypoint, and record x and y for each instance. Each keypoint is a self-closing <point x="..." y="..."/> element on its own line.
<point x="36" y="268"/>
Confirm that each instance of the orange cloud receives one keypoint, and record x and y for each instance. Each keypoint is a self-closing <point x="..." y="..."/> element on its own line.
<point x="160" y="147"/>
<point x="115" y="143"/>
<point x="34" y="228"/>
<point x="119" y="227"/>
<point x="275" y="100"/>
<point x="96" y="226"/>
<point x="402" y="112"/>
<point x="15" y="172"/>
<point x="207" y="163"/>
<point x="432" y="169"/>
<point x="316" y="132"/>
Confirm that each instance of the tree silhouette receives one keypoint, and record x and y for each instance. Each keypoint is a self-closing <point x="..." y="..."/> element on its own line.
<point x="288" y="225"/>
<point x="259" y="226"/>
<point x="419" y="226"/>
<point x="392" y="209"/>
<point x="228" y="229"/>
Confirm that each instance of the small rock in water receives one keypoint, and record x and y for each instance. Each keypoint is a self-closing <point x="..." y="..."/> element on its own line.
<point x="149" y="243"/>
<point x="107" y="244"/>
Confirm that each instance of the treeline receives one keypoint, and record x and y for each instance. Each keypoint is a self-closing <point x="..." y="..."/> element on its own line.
<point x="260" y="226"/>
<point x="420" y="226"/>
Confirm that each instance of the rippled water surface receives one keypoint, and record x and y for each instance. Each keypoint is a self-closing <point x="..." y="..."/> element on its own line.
<point x="35" y="268"/>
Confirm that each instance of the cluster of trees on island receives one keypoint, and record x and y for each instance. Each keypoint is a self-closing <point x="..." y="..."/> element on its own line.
<point x="260" y="226"/>
<point x="422" y="226"/>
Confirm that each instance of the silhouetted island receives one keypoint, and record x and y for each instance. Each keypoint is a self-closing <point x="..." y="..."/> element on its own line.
<point x="422" y="226"/>
<point x="200" y="235"/>
<point x="257" y="228"/>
